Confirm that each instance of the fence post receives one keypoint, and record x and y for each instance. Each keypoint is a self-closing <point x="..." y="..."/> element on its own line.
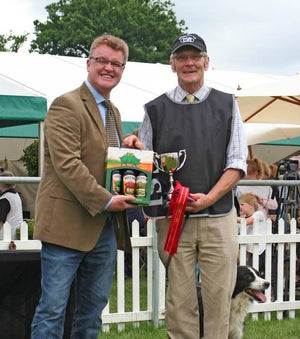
<point x="149" y="261"/>
<point x="243" y="247"/>
<point x="6" y="232"/>
<point x="292" y="265"/>
<point x="135" y="271"/>
<point x="155" y="282"/>
<point x="268" y="267"/>
<point x="24" y="231"/>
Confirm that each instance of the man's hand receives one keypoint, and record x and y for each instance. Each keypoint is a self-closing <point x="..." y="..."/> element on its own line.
<point x="228" y="179"/>
<point x="201" y="202"/>
<point x="120" y="203"/>
<point x="132" y="141"/>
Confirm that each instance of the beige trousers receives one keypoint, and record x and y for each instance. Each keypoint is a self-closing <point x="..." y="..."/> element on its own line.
<point x="213" y="242"/>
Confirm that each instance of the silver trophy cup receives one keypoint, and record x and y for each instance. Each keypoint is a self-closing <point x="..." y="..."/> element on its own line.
<point x="170" y="163"/>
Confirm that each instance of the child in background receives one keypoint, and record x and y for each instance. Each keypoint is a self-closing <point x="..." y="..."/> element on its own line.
<point x="250" y="212"/>
<point x="255" y="171"/>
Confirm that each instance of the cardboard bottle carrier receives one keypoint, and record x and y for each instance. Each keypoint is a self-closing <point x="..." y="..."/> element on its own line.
<point x="129" y="172"/>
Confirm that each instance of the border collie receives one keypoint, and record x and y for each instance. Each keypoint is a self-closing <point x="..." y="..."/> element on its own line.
<point x="249" y="286"/>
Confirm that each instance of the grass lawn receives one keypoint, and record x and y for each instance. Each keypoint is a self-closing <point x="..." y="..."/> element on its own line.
<point x="261" y="329"/>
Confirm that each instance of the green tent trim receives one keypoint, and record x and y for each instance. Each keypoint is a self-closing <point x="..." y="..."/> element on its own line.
<point x="21" y="110"/>
<point x="32" y="130"/>
<point x="129" y="126"/>
<point x="284" y="142"/>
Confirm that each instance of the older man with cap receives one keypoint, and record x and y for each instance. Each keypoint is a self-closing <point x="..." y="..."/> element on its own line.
<point x="207" y="124"/>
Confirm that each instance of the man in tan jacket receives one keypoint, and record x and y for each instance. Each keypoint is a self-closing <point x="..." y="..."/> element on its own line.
<point x="74" y="212"/>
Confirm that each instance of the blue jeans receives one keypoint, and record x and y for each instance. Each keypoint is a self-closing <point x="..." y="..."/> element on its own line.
<point x="92" y="273"/>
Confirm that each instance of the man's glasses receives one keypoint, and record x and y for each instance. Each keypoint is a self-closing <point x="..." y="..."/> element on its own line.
<point x="184" y="58"/>
<point x="104" y="62"/>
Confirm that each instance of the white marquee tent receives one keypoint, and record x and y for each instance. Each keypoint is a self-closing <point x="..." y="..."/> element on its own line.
<point x="41" y="78"/>
<point x="49" y="76"/>
<point x="52" y="75"/>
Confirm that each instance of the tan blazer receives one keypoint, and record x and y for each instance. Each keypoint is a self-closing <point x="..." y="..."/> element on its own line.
<point x="71" y="192"/>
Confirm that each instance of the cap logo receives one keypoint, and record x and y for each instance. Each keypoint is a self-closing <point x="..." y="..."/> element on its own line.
<point x="187" y="38"/>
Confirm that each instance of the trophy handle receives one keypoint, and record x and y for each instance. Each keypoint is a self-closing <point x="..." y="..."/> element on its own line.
<point x="182" y="153"/>
<point x="156" y="157"/>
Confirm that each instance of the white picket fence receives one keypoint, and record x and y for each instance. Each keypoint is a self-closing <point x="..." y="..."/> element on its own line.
<point x="156" y="283"/>
<point x="23" y="243"/>
<point x="155" y="274"/>
<point x="286" y="266"/>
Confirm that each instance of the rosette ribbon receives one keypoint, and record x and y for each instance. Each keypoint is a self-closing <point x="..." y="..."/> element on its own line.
<point x="176" y="209"/>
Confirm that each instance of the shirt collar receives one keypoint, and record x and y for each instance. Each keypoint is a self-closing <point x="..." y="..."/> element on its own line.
<point x="179" y="93"/>
<point x="98" y="97"/>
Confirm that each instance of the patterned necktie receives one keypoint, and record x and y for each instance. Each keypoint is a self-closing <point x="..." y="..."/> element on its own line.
<point x="110" y="125"/>
<point x="190" y="97"/>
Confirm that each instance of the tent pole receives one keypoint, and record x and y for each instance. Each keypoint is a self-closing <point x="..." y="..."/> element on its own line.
<point x="250" y="152"/>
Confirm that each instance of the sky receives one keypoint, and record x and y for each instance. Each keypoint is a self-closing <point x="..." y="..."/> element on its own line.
<point x="258" y="36"/>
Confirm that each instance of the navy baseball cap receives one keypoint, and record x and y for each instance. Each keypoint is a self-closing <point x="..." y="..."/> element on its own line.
<point x="189" y="40"/>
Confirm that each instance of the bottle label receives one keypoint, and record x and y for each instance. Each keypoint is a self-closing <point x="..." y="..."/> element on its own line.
<point x="116" y="183"/>
<point x="129" y="184"/>
<point x="141" y="186"/>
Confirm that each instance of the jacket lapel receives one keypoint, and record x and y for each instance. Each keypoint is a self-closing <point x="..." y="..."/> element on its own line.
<point x="92" y="107"/>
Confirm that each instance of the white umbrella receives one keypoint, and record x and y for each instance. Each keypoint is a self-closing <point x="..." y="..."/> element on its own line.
<point x="271" y="154"/>
<point x="257" y="133"/>
<point x="275" y="102"/>
<point x="271" y="110"/>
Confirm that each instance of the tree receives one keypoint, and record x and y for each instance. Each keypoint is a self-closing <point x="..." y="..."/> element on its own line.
<point x="30" y="158"/>
<point x="15" y="42"/>
<point x="148" y="26"/>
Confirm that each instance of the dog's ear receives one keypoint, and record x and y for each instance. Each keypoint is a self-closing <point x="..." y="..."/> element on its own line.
<point x="243" y="278"/>
<point x="256" y="271"/>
